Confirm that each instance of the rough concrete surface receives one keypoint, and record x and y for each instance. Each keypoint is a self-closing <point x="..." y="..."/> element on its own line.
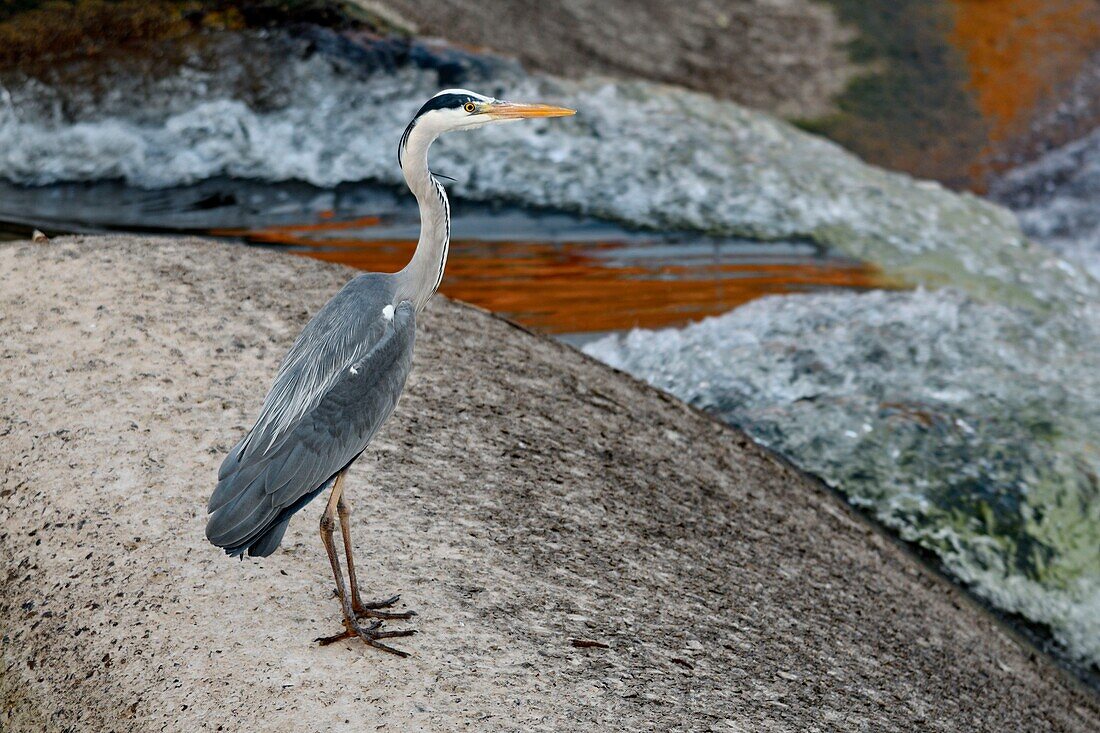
<point x="522" y="496"/>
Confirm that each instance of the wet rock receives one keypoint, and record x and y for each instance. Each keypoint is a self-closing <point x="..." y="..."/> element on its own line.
<point x="729" y="590"/>
<point x="964" y="426"/>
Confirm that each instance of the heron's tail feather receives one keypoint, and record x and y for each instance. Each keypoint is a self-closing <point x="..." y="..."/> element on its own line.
<point x="230" y="486"/>
<point x="265" y="544"/>
<point x="266" y="540"/>
<point x="241" y="517"/>
<point x="255" y="498"/>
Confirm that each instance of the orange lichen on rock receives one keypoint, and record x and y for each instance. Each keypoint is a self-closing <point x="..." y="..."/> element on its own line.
<point x="1019" y="52"/>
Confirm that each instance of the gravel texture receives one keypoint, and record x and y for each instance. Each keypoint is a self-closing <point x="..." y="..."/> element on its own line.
<point x="522" y="497"/>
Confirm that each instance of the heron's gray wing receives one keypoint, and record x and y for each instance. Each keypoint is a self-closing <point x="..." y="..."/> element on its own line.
<point x="321" y="420"/>
<point x="345" y="328"/>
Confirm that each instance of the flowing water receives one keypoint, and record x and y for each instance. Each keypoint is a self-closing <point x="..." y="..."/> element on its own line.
<point x="554" y="271"/>
<point x="1057" y="198"/>
<point x="969" y="428"/>
<point x="963" y="414"/>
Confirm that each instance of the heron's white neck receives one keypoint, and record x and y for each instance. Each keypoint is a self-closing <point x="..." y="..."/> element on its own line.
<point x="419" y="279"/>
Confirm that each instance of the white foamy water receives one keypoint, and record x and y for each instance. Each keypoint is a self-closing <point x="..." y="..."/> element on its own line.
<point x="640" y="153"/>
<point x="969" y="428"/>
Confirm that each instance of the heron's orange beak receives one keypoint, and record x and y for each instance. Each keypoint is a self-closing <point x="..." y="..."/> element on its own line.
<point x="516" y="111"/>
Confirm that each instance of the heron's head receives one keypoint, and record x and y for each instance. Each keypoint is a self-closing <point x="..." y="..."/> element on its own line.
<point x="461" y="109"/>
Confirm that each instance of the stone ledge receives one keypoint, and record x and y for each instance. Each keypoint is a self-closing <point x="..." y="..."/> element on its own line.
<point x="522" y="496"/>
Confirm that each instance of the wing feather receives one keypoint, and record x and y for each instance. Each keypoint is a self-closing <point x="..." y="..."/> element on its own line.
<point x="341" y="332"/>
<point x="317" y="422"/>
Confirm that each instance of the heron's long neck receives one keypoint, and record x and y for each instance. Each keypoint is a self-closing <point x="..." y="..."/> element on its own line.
<point x="418" y="281"/>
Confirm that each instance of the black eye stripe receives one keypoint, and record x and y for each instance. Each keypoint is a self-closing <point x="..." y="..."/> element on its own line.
<point x="445" y="101"/>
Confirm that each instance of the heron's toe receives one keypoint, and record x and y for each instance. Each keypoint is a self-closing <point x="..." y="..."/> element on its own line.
<point x="372" y="610"/>
<point x="370" y="635"/>
<point x="384" y="615"/>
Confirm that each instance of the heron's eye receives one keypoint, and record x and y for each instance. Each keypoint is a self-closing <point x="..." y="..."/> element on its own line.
<point x="469" y="107"/>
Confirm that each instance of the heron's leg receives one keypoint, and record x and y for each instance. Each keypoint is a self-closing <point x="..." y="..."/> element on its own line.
<point x="328" y="523"/>
<point x="369" y="634"/>
<point x="359" y="608"/>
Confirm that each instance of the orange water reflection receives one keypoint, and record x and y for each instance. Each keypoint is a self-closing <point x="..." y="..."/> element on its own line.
<point x="574" y="287"/>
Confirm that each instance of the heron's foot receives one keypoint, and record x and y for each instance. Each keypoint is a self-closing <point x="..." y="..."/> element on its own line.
<point x="373" y="609"/>
<point x="370" y="634"/>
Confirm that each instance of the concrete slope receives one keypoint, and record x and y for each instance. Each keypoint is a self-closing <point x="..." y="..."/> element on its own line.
<point x="521" y="498"/>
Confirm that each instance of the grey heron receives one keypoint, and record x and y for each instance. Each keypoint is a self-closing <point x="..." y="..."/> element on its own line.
<point x="341" y="380"/>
